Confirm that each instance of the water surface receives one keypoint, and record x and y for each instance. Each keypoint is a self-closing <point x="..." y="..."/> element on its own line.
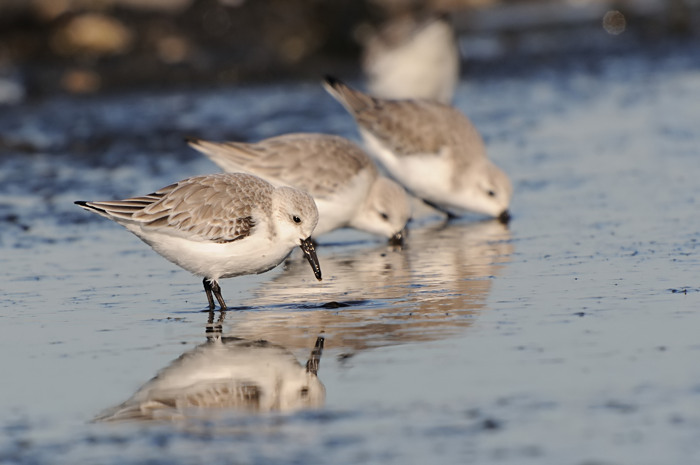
<point x="568" y="337"/>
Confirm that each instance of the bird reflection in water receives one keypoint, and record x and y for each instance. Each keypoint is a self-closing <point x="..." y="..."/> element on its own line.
<point x="433" y="288"/>
<point x="226" y="373"/>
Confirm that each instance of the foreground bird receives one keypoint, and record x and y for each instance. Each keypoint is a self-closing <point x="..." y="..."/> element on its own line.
<point x="220" y="225"/>
<point x="432" y="149"/>
<point x="340" y="176"/>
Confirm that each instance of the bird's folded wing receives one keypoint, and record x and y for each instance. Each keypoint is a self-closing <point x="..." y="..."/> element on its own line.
<point x="318" y="165"/>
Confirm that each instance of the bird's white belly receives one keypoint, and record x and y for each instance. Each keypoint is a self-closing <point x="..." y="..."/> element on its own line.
<point x="425" y="176"/>
<point x="250" y="255"/>
<point x="337" y="210"/>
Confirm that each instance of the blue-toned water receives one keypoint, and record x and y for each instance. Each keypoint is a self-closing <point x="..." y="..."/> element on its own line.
<point x="569" y="337"/>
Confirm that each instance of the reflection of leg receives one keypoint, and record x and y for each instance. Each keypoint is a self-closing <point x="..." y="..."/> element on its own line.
<point x="214" y="329"/>
<point x="216" y="289"/>
<point x="219" y="322"/>
<point x="315" y="358"/>
<point x="207" y="289"/>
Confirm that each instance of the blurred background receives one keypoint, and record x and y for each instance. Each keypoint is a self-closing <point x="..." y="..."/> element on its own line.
<point x="89" y="46"/>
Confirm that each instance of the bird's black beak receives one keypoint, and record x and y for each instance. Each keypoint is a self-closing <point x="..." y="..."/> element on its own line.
<point x="397" y="239"/>
<point x="307" y="246"/>
<point x="504" y="217"/>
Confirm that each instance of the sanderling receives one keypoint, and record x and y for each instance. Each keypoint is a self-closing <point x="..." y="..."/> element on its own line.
<point x="430" y="148"/>
<point x="340" y="176"/>
<point x="413" y="58"/>
<point x="220" y="225"/>
<point x="226" y="373"/>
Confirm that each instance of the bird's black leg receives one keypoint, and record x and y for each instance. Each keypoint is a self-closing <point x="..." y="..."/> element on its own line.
<point x="450" y="216"/>
<point x="216" y="289"/>
<point x="208" y="290"/>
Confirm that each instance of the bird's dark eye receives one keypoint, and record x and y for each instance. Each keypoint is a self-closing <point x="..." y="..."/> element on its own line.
<point x="296" y="219"/>
<point x="384" y="216"/>
<point x="491" y="193"/>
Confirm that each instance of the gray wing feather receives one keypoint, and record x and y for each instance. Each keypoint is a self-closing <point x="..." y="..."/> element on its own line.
<point x="217" y="208"/>
<point x="319" y="164"/>
<point x="410" y="127"/>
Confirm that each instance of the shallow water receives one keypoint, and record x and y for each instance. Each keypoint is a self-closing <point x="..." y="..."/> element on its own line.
<point x="568" y="337"/>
